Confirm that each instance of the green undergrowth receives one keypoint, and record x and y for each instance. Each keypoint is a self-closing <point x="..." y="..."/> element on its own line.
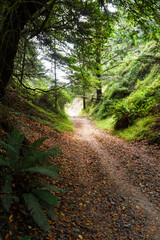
<point x="23" y="106"/>
<point x="141" y="129"/>
<point x="59" y="121"/>
<point x="130" y="105"/>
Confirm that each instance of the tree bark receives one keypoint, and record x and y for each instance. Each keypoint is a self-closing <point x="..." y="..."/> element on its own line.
<point x="99" y="91"/>
<point x="16" y="16"/>
<point x="84" y="102"/>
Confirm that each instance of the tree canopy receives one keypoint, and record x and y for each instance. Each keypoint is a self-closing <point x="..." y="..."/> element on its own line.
<point x="88" y="25"/>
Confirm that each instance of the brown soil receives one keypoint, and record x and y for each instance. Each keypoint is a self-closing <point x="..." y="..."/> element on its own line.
<point x="118" y="181"/>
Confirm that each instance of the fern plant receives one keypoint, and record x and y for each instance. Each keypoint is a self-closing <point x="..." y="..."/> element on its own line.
<point x="21" y="178"/>
<point x="123" y="116"/>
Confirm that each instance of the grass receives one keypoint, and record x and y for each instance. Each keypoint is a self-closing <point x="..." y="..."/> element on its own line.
<point x="59" y="122"/>
<point x="106" y="124"/>
<point x="139" y="130"/>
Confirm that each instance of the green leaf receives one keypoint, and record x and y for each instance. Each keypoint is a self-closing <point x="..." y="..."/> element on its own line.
<point x="12" y="147"/>
<point x="52" y="213"/>
<point x="40" y="157"/>
<point x="36" y="144"/>
<point x="15" y="140"/>
<point x="50" y="210"/>
<point x="29" y="159"/>
<point x="7" y="198"/>
<point x="32" y="157"/>
<point x="26" y="238"/>
<point x="48" y="187"/>
<point x="15" y="198"/>
<point x="55" y="151"/>
<point x="49" y="171"/>
<point x="46" y="196"/>
<point x="45" y="155"/>
<point x="4" y="162"/>
<point x="10" y="152"/>
<point x="36" y="211"/>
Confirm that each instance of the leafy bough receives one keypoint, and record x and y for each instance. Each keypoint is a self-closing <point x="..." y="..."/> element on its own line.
<point x="21" y="178"/>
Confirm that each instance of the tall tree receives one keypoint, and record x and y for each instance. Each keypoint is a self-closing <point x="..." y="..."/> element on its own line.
<point x="33" y="18"/>
<point x="14" y="16"/>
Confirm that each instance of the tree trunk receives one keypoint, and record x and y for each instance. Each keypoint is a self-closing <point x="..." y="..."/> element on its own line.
<point x="12" y="26"/>
<point x="84" y="102"/>
<point x="99" y="91"/>
<point x="99" y="85"/>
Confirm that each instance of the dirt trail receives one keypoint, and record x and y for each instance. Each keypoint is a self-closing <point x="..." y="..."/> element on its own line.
<point x="112" y="185"/>
<point x="108" y="149"/>
<point x="119" y="179"/>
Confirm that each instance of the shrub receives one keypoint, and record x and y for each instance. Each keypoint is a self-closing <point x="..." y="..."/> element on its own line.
<point x="21" y="178"/>
<point x="119" y="92"/>
<point x="123" y="116"/>
<point x="105" y="109"/>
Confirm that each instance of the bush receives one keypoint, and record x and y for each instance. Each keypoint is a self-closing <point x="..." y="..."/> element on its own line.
<point x="119" y="92"/>
<point x="123" y="116"/>
<point x="20" y="178"/>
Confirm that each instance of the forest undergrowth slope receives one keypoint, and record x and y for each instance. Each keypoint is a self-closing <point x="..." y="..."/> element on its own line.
<point x="130" y="104"/>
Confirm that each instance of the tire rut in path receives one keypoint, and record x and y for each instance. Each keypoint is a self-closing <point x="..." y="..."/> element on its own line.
<point x="115" y="157"/>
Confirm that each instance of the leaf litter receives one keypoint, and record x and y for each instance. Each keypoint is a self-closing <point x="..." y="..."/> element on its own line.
<point x="112" y="187"/>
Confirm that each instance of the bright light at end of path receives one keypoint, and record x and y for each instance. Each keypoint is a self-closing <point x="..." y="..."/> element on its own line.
<point x="74" y="109"/>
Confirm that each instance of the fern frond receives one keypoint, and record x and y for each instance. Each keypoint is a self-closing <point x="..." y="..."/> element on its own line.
<point x="15" y="140"/>
<point x="52" y="213"/>
<point x="36" y="144"/>
<point x="7" y="191"/>
<point x="36" y="210"/>
<point x="15" y="198"/>
<point x="33" y="157"/>
<point x="32" y="151"/>
<point x="26" y="238"/>
<point x="28" y="161"/>
<point x="49" y="171"/>
<point x="46" y="196"/>
<point x="55" y="151"/>
<point x="48" y="187"/>
<point x="41" y="156"/>
<point x="10" y="152"/>
<point x="4" y="162"/>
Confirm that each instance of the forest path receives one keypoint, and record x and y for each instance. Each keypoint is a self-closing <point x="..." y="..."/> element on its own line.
<point x="112" y="185"/>
<point x="116" y="182"/>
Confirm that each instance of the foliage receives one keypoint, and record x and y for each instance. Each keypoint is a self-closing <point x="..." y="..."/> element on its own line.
<point x="21" y="177"/>
<point x="59" y="120"/>
<point x="133" y="91"/>
<point x="140" y="129"/>
<point x="26" y="238"/>
<point x="123" y="116"/>
<point x="47" y="100"/>
<point x="25" y="103"/>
